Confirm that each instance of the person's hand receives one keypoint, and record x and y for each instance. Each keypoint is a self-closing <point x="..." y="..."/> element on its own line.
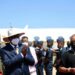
<point x="72" y="70"/>
<point x="24" y="50"/>
<point x="1" y="73"/>
<point x="69" y="69"/>
<point x="64" y="70"/>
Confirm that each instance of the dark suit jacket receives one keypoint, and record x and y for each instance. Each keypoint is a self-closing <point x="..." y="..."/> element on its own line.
<point x="14" y="63"/>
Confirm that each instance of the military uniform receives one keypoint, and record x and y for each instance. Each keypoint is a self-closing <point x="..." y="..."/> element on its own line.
<point x="39" y="65"/>
<point x="59" y="53"/>
<point x="49" y="58"/>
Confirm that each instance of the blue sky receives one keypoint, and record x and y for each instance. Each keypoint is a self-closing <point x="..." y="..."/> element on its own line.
<point x="37" y="13"/>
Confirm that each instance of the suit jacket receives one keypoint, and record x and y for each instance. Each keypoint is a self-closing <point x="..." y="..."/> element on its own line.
<point x="15" y="64"/>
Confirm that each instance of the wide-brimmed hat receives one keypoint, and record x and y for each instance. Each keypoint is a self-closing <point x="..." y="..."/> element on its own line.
<point x="14" y="35"/>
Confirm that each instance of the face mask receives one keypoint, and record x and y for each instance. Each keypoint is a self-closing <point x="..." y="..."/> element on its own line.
<point x="15" y="41"/>
<point x="73" y="45"/>
<point x="25" y="43"/>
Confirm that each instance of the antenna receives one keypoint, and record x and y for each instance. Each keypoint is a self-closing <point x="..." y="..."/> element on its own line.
<point x="10" y="30"/>
<point x="10" y="24"/>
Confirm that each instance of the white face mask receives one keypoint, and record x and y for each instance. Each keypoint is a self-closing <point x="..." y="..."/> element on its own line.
<point x="25" y="43"/>
<point x="15" y="41"/>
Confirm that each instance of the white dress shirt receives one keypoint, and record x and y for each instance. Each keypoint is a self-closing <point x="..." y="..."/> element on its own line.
<point x="32" y="69"/>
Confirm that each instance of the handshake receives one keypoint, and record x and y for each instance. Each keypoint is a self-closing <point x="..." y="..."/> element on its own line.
<point x="24" y="50"/>
<point x="67" y="70"/>
<point x="72" y="70"/>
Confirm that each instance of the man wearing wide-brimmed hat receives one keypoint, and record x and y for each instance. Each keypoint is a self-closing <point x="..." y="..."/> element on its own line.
<point x="15" y="59"/>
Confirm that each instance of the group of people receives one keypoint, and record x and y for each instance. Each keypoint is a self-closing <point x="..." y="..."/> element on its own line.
<point x="21" y="57"/>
